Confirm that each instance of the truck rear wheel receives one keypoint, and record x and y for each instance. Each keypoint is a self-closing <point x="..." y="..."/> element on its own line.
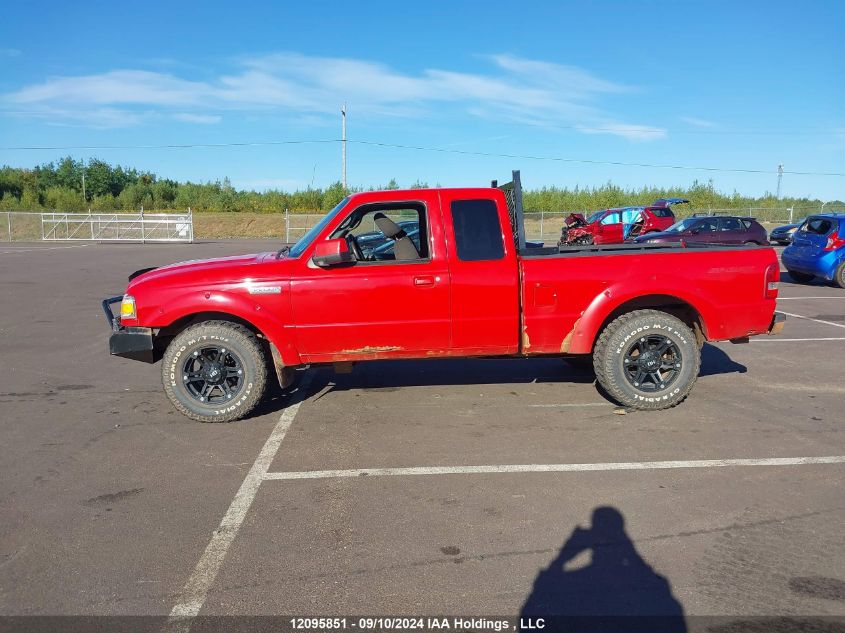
<point x="647" y="360"/>
<point x="214" y="372"/>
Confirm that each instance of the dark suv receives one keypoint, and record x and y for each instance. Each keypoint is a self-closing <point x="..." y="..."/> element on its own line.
<point x="723" y="229"/>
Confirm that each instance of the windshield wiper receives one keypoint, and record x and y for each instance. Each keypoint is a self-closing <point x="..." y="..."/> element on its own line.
<point x="284" y="250"/>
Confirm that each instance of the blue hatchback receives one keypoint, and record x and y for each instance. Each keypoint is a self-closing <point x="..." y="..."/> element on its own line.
<point x="818" y="250"/>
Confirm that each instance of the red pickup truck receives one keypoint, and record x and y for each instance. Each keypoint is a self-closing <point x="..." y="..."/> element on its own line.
<point x="452" y="278"/>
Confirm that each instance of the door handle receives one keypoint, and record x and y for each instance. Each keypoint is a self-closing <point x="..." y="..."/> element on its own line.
<point x="426" y="280"/>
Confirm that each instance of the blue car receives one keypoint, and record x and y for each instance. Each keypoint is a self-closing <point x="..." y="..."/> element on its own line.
<point x="818" y="250"/>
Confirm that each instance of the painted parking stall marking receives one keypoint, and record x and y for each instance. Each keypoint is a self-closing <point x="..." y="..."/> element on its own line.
<point x="554" y="468"/>
<point x="801" y="316"/>
<point x="194" y="593"/>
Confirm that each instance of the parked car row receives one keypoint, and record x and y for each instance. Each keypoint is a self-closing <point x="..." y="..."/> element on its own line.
<point x="816" y="246"/>
<point x="710" y="230"/>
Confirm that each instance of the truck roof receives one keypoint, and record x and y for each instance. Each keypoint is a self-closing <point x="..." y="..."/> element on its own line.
<point x="410" y="194"/>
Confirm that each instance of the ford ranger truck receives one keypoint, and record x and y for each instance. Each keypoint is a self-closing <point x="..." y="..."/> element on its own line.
<point x="452" y="277"/>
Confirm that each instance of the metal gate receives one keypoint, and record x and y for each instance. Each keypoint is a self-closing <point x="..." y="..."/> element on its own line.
<point x="118" y="227"/>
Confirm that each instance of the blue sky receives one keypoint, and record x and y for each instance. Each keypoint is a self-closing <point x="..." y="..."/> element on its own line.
<point x="742" y="85"/>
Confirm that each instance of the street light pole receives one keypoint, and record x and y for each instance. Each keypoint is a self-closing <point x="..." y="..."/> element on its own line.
<point x="343" y="146"/>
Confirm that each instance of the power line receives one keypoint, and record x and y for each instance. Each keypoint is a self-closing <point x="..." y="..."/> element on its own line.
<point x="594" y="162"/>
<point x="171" y="146"/>
<point x="421" y="148"/>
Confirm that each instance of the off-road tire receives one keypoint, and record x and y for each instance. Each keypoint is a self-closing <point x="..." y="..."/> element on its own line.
<point x="839" y="276"/>
<point x="625" y="331"/>
<point x="240" y="341"/>
<point x="801" y="278"/>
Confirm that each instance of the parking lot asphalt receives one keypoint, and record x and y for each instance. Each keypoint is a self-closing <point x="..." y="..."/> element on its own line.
<point x="408" y="487"/>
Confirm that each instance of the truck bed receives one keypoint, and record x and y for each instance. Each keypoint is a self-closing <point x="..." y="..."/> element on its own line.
<point x="727" y="298"/>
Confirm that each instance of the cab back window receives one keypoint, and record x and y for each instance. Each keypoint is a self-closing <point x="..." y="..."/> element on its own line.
<point x="478" y="234"/>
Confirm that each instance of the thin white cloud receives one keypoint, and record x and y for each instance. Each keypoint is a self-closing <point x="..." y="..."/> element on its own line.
<point x="200" y="119"/>
<point x="515" y="89"/>
<point x="630" y="132"/>
<point x="696" y="122"/>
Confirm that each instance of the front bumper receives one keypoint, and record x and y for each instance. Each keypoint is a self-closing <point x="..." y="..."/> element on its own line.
<point x="128" y="342"/>
<point x="776" y="326"/>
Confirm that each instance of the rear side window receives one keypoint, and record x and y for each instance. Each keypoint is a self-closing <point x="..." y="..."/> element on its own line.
<point x="747" y="223"/>
<point x="662" y="212"/>
<point x="629" y="216"/>
<point x="478" y="234"/>
<point x="818" y="226"/>
<point x="731" y="224"/>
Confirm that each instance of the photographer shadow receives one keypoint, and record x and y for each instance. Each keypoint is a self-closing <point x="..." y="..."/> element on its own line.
<point x="616" y="591"/>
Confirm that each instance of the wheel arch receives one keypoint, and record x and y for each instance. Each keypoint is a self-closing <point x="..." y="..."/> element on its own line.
<point x="281" y="355"/>
<point x="601" y="313"/>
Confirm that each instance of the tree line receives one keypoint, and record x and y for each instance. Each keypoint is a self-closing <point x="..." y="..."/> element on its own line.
<point x="59" y="186"/>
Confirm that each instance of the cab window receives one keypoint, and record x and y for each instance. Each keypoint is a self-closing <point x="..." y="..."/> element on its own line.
<point x="478" y="233"/>
<point x="386" y="232"/>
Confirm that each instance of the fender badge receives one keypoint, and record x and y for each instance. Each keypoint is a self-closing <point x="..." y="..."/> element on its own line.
<point x="265" y="290"/>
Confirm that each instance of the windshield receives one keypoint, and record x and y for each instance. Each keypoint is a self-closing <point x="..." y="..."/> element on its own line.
<point x="683" y="225"/>
<point x="595" y="217"/>
<point x="305" y="241"/>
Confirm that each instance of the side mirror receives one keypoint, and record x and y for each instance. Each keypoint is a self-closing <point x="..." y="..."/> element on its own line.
<point x="331" y="253"/>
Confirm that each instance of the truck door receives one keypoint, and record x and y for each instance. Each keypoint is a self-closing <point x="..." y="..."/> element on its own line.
<point x="391" y="302"/>
<point x="484" y="273"/>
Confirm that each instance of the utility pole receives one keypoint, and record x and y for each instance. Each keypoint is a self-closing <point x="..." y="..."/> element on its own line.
<point x="343" y="145"/>
<point x="780" y="177"/>
<point x="83" y="186"/>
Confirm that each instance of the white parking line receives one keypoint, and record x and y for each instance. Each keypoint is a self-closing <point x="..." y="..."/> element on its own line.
<point x="44" y="248"/>
<point x="801" y="316"/>
<point x="797" y="298"/>
<point x="195" y="591"/>
<point x="571" y="404"/>
<point x="553" y="468"/>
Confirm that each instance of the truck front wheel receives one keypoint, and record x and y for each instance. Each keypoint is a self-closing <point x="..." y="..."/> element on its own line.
<point x="647" y="359"/>
<point x="214" y="371"/>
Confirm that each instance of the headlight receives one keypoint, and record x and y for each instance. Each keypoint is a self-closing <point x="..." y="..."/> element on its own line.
<point x="127" y="307"/>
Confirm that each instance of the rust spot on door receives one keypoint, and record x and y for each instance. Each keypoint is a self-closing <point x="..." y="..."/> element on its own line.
<point x="372" y="349"/>
<point x="567" y="340"/>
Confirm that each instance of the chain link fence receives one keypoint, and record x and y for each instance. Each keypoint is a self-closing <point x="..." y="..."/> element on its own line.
<point x="288" y="226"/>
